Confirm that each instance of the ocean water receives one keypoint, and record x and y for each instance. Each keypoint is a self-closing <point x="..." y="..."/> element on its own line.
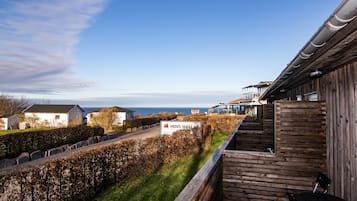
<point x="152" y="110"/>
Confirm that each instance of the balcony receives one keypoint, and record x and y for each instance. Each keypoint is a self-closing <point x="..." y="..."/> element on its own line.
<point x="265" y="158"/>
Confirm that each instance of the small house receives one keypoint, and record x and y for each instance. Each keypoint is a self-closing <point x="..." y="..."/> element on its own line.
<point x="47" y="115"/>
<point x="8" y="122"/>
<point x="119" y="115"/>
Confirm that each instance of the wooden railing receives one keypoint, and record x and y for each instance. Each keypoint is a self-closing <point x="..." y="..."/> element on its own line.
<point x="207" y="183"/>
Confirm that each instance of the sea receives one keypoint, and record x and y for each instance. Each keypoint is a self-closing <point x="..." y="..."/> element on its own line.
<point x="153" y="110"/>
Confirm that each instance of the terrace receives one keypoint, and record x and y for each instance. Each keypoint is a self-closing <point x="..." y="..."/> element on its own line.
<point x="308" y="137"/>
<point x="253" y="164"/>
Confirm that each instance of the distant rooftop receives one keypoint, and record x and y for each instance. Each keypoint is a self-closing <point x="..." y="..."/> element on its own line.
<point x="116" y="109"/>
<point x="237" y="101"/>
<point x="260" y="84"/>
<point x="48" y="108"/>
<point x="120" y="109"/>
<point x="6" y="115"/>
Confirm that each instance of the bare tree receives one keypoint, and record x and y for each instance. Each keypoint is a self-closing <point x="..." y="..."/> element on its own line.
<point x="105" y="119"/>
<point x="10" y="105"/>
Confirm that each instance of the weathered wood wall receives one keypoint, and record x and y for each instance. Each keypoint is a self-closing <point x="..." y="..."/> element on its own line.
<point x="257" y="135"/>
<point x="254" y="140"/>
<point x="300" y="135"/>
<point x="268" y="119"/>
<point x="300" y="155"/>
<point x="339" y="90"/>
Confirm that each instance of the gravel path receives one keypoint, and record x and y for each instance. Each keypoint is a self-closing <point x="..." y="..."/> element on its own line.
<point x="142" y="134"/>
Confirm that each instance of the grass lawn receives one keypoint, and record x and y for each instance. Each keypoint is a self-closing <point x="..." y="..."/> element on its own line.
<point x="6" y="132"/>
<point x="166" y="182"/>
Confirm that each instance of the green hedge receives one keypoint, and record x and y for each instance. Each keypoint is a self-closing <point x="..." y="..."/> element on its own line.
<point x="12" y="145"/>
<point x="78" y="175"/>
<point x="135" y="123"/>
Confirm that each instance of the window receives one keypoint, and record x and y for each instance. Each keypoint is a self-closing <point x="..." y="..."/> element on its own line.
<point x="57" y="116"/>
<point x="312" y="96"/>
<point x="299" y="98"/>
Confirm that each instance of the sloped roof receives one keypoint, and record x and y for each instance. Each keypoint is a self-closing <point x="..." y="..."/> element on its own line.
<point x="260" y="84"/>
<point x="6" y="115"/>
<point x="332" y="46"/>
<point x="237" y="101"/>
<point x="120" y="109"/>
<point x="115" y="109"/>
<point x="48" y="108"/>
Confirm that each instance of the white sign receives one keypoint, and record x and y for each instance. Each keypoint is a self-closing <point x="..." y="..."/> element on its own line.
<point x="169" y="127"/>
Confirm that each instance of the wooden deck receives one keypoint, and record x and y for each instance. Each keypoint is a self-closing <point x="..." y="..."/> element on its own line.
<point x="300" y="153"/>
<point x="243" y="169"/>
<point x="256" y="135"/>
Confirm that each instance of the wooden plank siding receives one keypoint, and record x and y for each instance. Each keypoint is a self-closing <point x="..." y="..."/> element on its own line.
<point x="338" y="89"/>
<point x="257" y="135"/>
<point x="254" y="141"/>
<point x="268" y="119"/>
<point x="300" y="155"/>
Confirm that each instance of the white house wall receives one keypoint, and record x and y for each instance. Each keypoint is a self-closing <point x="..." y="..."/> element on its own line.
<point x="119" y="117"/>
<point x="10" y="122"/>
<point x="50" y="119"/>
<point x="89" y="117"/>
<point x="3" y="124"/>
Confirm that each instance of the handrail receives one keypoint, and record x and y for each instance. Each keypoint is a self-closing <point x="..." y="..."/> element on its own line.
<point x="197" y="183"/>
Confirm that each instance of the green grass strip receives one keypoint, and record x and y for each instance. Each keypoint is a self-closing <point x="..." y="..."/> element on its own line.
<point x="165" y="183"/>
<point x="16" y="131"/>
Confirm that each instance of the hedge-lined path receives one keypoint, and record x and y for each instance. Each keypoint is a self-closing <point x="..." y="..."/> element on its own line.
<point x="139" y="134"/>
<point x="142" y="134"/>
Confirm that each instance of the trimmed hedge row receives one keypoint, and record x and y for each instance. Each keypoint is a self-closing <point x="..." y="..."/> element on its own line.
<point x="80" y="174"/>
<point x="220" y="123"/>
<point x="12" y="145"/>
<point x="136" y="123"/>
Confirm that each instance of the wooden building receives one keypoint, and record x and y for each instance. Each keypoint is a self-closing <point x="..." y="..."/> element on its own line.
<point x="308" y="126"/>
<point x="326" y="70"/>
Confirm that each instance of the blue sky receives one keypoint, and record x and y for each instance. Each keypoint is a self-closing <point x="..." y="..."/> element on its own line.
<point x="173" y="53"/>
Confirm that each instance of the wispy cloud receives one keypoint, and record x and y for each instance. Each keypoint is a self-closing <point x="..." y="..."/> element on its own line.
<point x="37" y="41"/>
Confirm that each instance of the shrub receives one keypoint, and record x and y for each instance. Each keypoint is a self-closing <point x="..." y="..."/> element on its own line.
<point x="12" y="145"/>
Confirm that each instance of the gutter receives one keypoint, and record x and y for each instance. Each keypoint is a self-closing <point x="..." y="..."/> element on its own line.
<point x="344" y="14"/>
